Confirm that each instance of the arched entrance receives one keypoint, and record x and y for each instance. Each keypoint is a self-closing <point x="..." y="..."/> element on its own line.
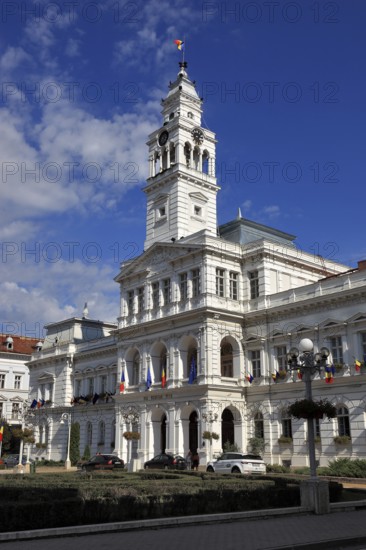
<point x="193" y="431"/>
<point x="163" y="433"/>
<point x="227" y="427"/>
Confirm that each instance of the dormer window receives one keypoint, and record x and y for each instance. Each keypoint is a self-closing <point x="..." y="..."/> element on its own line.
<point x="9" y="343"/>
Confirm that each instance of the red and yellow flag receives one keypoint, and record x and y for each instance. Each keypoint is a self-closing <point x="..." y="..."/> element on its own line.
<point x="1" y="433"/>
<point x="357" y="365"/>
<point x="179" y="43"/>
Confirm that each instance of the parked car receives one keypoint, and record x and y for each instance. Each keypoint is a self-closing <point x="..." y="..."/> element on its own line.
<point x="11" y="461"/>
<point x="237" y="463"/>
<point x="102" y="462"/>
<point x="166" y="461"/>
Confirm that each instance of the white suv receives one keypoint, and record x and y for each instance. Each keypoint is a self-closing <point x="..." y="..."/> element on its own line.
<point x="237" y="463"/>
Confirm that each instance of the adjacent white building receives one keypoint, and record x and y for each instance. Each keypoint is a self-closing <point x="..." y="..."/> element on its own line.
<point x="202" y="309"/>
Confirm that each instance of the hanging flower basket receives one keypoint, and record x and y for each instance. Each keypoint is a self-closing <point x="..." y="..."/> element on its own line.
<point x="342" y="439"/>
<point x="131" y="435"/>
<point x="306" y="408"/>
<point x="210" y="435"/>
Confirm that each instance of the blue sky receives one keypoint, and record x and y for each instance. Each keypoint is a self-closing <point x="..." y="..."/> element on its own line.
<point x="284" y="88"/>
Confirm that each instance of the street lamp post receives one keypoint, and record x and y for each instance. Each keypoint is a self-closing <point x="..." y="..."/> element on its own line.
<point x="315" y="493"/>
<point x="131" y="416"/>
<point x="66" y="419"/>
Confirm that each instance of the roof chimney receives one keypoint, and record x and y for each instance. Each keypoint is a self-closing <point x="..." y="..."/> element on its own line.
<point x="361" y="265"/>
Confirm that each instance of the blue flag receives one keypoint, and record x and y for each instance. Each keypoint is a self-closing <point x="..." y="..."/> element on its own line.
<point x="34" y="404"/>
<point x="192" y="372"/>
<point x="148" y="379"/>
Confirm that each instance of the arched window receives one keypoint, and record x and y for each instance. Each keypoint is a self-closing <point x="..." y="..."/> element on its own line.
<point x="172" y="153"/>
<point x="227" y="360"/>
<point x="196" y="158"/>
<point x="205" y="162"/>
<point x="286" y="424"/>
<point x="101" y="435"/>
<point x="89" y="434"/>
<point x="193" y="431"/>
<point x="227" y="427"/>
<point x="187" y="154"/>
<point x="113" y="433"/>
<point x="258" y="425"/>
<point x="343" y="421"/>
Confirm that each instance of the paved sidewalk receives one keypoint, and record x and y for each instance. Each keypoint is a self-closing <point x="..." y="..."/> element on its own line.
<point x="340" y="530"/>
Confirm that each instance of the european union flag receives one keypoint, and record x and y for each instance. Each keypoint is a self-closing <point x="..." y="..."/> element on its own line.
<point x="192" y="372"/>
<point x="148" y="379"/>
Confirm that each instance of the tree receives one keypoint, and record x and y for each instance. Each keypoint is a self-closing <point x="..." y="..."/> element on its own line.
<point x="86" y="455"/>
<point x="256" y="445"/>
<point x="75" y="443"/>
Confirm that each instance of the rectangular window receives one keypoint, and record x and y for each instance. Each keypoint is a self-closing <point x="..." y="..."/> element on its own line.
<point x="233" y="285"/>
<point x="130" y="300"/>
<point x="103" y="384"/>
<point x="281" y="356"/>
<point x="220" y="282"/>
<point x="15" y="411"/>
<point x="90" y="386"/>
<point x="140" y="299"/>
<point x="1" y="410"/>
<point x="17" y="382"/>
<point x="254" y="284"/>
<point x="77" y="388"/>
<point x="183" y="286"/>
<point x="42" y="391"/>
<point x="255" y="359"/>
<point x="336" y="350"/>
<point x="166" y="292"/>
<point x="2" y="380"/>
<point x="196" y="283"/>
<point x="286" y="427"/>
<point x="113" y="382"/>
<point x="363" y="344"/>
<point x="155" y="295"/>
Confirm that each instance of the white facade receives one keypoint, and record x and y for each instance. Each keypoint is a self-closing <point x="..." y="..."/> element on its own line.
<point x="15" y="352"/>
<point x="233" y="299"/>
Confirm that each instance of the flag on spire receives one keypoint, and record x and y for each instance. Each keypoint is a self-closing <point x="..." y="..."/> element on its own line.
<point x="122" y="383"/>
<point x="179" y="44"/>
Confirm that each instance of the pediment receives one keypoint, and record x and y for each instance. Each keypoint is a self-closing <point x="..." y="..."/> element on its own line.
<point x="357" y="318"/>
<point x="156" y="258"/>
<point x="198" y="196"/>
<point x="3" y="397"/>
<point x="330" y="323"/>
<point x="46" y="376"/>
<point x="16" y="399"/>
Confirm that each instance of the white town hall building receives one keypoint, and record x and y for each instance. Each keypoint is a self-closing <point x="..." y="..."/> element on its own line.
<point x="204" y="309"/>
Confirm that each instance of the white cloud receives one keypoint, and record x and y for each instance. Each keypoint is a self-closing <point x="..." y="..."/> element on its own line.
<point x="72" y="48"/>
<point x="12" y="58"/>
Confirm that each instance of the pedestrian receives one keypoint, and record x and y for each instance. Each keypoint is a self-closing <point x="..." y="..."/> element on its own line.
<point x="195" y="461"/>
<point x="189" y="460"/>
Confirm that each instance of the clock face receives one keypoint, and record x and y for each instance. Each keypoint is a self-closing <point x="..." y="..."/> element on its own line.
<point x="197" y="135"/>
<point x="163" y="138"/>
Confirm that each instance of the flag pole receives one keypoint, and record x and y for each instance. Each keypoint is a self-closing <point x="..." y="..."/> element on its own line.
<point x="183" y="49"/>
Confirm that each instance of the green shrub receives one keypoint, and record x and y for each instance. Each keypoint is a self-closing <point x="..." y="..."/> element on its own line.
<point x="278" y="469"/>
<point x="75" y="443"/>
<point x="86" y="454"/>
<point x="346" y="467"/>
<point x="231" y="447"/>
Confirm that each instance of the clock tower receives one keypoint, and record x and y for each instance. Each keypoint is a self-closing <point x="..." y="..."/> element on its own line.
<point x="181" y="188"/>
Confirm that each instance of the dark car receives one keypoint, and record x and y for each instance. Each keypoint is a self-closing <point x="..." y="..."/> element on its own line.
<point x="102" y="462"/>
<point x="11" y="461"/>
<point x="166" y="461"/>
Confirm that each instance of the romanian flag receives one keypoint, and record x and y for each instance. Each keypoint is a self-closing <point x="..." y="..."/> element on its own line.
<point x="357" y="365"/>
<point x="299" y="374"/>
<point x="249" y="377"/>
<point x="1" y="433"/>
<point x="275" y="376"/>
<point x="40" y="403"/>
<point x="122" y="383"/>
<point x="329" y="374"/>
<point x="163" y="378"/>
<point x="180" y="44"/>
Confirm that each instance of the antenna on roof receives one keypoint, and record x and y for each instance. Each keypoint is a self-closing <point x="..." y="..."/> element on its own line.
<point x="239" y="216"/>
